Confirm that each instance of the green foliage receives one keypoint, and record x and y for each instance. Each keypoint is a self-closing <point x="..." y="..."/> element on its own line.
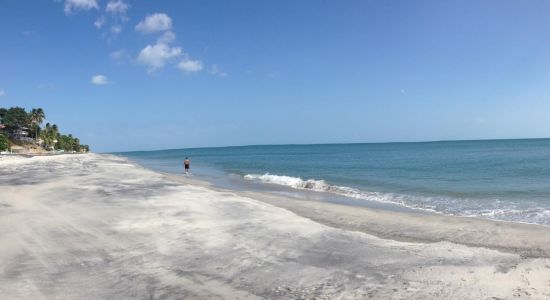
<point x="4" y="144"/>
<point x="3" y="112"/>
<point x="34" y="131"/>
<point x="49" y="136"/>
<point x="36" y="116"/>
<point x="68" y="143"/>
<point x="16" y="117"/>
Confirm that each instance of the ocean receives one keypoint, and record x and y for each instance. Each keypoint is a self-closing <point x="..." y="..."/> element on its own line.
<point x="505" y="180"/>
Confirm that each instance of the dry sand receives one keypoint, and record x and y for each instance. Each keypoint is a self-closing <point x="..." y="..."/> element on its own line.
<point x="100" y="227"/>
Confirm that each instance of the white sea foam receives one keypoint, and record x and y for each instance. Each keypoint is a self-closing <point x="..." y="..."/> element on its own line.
<point x="294" y="182"/>
<point x="500" y="210"/>
<point x="323" y="186"/>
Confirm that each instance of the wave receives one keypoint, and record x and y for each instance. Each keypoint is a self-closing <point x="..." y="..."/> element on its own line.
<point x="495" y="210"/>
<point x="323" y="186"/>
<point x="299" y="183"/>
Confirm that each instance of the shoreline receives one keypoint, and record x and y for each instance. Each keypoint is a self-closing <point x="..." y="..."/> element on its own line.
<point x="31" y="155"/>
<point x="102" y="227"/>
<point x="404" y="226"/>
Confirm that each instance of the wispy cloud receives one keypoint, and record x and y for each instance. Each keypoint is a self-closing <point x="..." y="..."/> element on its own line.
<point x="2" y="93"/>
<point x="44" y="86"/>
<point x="117" y="7"/>
<point x="154" y="23"/>
<point x="216" y="71"/>
<point x="115" y="16"/>
<point x="121" y="57"/>
<point x="116" y="29"/>
<point x="100" y="22"/>
<point x="100" y="80"/>
<point x="120" y="54"/>
<point x="72" y="6"/>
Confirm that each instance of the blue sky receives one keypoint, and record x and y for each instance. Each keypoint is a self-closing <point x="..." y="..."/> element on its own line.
<point x="140" y="75"/>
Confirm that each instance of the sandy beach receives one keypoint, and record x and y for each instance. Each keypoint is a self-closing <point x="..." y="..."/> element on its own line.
<point x="101" y="227"/>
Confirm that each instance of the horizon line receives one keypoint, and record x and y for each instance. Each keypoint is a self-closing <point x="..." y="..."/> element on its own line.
<point x="341" y="143"/>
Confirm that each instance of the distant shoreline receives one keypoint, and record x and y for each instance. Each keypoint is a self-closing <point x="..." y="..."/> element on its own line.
<point x="29" y="155"/>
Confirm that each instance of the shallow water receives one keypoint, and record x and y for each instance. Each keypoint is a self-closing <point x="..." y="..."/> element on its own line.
<point x="497" y="179"/>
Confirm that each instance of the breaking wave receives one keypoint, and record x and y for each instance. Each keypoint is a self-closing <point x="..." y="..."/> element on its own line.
<point x="323" y="186"/>
<point x="497" y="210"/>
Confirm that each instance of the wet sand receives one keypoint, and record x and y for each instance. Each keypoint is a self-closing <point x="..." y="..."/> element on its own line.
<point x="527" y="240"/>
<point x="100" y="227"/>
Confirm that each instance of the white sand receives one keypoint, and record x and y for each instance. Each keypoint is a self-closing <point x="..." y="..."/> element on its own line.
<point x="99" y="227"/>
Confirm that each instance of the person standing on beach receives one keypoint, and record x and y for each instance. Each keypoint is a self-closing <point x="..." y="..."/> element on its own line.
<point x="186" y="164"/>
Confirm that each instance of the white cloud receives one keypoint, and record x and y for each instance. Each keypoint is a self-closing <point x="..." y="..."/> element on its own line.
<point x="76" y="5"/>
<point x="114" y="19"/>
<point x="190" y="66"/>
<point x="158" y="55"/>
<point x="99" y="22"/>
<point x="215" y="70"/>
<point x="154" y="23"/>
<point x="116" y="7"/>
<point x="162" y="53"/>
<point x="167" y="38"/>
<point x="2" y="93"/>
<point x="100" y="80"/>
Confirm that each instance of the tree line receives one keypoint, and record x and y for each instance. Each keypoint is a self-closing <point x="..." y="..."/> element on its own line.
<point x="17" y="126"/>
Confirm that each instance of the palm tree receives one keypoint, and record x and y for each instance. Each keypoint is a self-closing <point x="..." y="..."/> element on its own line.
<point x="50" y="135"/>
<point x="55" y="135"/>
<point x="44" y="134"/>
<point x="37" y="116"/>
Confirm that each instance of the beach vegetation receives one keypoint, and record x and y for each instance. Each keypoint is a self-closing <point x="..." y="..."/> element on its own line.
<point x="36" y="117"/>
<point x="25" y="128"/>
<point x="15" y="117"/>
<point x="68" y="143"/>
<point x="4" y="143"/>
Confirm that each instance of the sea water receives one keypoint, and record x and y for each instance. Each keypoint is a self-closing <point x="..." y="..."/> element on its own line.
<point x="498" y="179"/>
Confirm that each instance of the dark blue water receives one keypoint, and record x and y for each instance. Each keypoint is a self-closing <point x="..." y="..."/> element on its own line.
<point x="498" y="179"/>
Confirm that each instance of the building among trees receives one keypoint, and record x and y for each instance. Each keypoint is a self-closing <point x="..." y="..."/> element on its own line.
<point x="23" y="129"/>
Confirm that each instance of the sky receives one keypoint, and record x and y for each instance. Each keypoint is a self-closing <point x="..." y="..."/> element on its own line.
<point x="141" y="75"/>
